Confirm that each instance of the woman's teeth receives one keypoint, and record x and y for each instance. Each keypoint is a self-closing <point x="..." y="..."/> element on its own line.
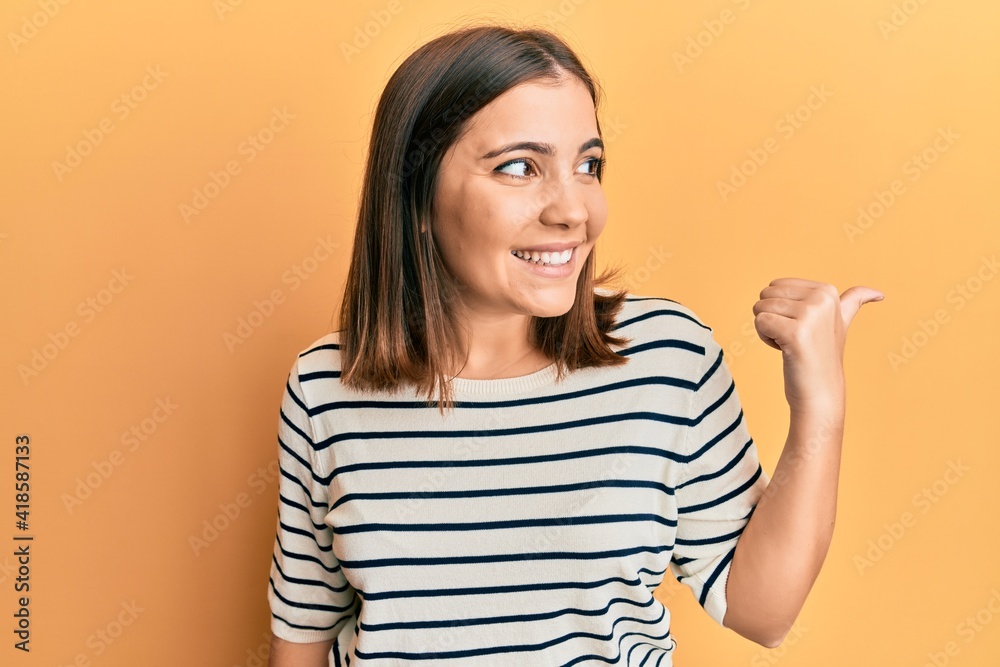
<point x="550" y="258"/>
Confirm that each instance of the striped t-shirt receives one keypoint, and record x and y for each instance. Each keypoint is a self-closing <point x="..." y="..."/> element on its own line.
<point x="528" y="527"/>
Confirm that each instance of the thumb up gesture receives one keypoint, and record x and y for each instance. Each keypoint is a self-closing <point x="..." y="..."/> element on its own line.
<point x="808" y="322"/>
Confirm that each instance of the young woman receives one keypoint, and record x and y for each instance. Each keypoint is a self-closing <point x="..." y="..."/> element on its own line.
<point x="583" y="441"/>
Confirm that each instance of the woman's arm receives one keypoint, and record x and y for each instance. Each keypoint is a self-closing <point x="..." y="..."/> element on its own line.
<point x="782" y="547"/>
<point x="291" y="654"/>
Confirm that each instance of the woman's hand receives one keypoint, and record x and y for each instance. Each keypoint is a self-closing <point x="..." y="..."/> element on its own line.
<point x="808" y="321"/>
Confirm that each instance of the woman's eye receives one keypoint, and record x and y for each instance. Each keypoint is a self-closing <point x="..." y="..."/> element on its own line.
<point x="597" y="164"/>
<point x="513" y="163"/>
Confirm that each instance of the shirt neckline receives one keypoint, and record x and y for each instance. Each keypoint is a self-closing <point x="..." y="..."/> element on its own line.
<point x="520" y="383"/>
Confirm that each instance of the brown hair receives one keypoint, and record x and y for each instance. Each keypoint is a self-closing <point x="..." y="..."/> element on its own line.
<point x="395" y="320"/>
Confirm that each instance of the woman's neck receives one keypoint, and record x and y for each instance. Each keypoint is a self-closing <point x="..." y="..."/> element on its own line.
<point x="532" y="361"/>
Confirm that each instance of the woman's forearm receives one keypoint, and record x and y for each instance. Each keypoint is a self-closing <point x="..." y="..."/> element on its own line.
<point x="782" y="548"/>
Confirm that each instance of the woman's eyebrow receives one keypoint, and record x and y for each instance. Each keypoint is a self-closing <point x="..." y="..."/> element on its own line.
<point x="538" y="147"/>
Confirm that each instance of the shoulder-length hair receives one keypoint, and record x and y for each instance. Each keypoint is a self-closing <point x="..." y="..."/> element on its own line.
<point x="396" y="323"/>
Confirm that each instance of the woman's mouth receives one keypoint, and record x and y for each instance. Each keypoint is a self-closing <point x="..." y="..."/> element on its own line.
<point x="547" y="264"/>
<point x="545" y="258"/>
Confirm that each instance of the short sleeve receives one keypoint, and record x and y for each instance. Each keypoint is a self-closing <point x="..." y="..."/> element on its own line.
<point x="309" y="597"/>
<point x="718" y="486"/>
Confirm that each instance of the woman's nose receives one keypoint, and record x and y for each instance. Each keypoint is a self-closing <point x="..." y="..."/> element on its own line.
<point x="565" y="202"/>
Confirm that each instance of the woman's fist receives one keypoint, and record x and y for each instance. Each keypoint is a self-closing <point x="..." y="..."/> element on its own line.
<point x="808" y="321"/>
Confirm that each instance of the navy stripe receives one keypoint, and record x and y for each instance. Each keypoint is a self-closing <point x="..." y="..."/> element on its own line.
<point x="503" y="558"/>
<point x="510" y="523"/>
<point x="305" y="490"/>
<point x="653" y="650"/>
<point x="721" y="471"/>
<point x="715" y="575"/>
<point x="738" y="491"/>
<point x="491" y="493"/>
<point x="494" y="590"/>
<point x="305" y="582"/>
<point x="327" y="375"/>
<point x="710" y="373"/>
<point x="503" y="432"/>
<point x="709" y="540"/>
<point x="298" y="401"/>
<point x="557" y="397"/>
<point x="717" y="438"/>
<point x="318" y="348"/>
<point x="656" y="313"/>
<point x="305" y="533"/>
<point x="288" y="450"/>
<point x="297" y="432"/>
<point x="509" y="461"/>
<point x="288" y="502"/>
<point x="665" y="343"/>
<point x="304" y="605"/>
<point x="304" y="557"/>
<point x="301" y="626"/>
<point x="513" y="618"/>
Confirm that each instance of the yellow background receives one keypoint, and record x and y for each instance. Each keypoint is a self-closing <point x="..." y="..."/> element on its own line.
<point x="894" y="74"/>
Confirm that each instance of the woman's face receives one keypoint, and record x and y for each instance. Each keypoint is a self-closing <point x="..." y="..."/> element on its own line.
<point x="495" y="197"/>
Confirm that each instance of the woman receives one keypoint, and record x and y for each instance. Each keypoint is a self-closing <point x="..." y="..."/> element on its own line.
<point x="592" y="438"/>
